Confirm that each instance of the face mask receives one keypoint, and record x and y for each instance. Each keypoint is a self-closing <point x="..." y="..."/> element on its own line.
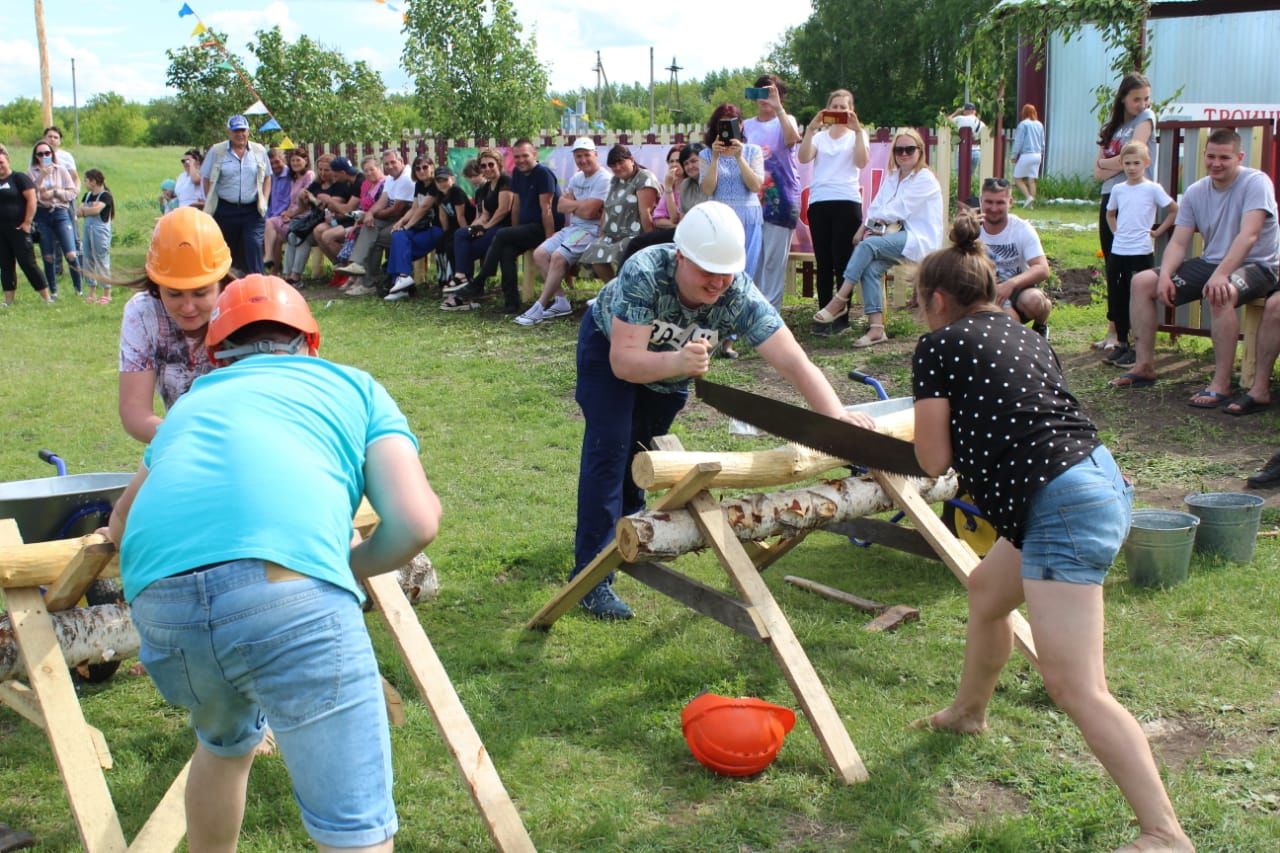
<point x="46" y="160"/>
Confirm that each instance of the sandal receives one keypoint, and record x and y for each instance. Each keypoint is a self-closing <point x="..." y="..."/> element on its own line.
<point x="104" y="300"/>
<point x="458" y="283"/>
<point x="1245" y="404"/>
<point x="452" y="302"/>
<point x="1207" y="399"/>
<point x="868" y="341"/>
<point x="825" y="316"/>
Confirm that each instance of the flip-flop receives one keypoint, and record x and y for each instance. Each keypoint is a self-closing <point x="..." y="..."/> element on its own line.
<point x="1245" y="405"/>
<point x="1215" y="399"/>
<point x="1131" y="380"/>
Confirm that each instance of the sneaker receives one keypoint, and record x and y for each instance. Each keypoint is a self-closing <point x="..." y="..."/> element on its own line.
<point x="535" y="315"/>
<point x="396" y="296"/>
<point x="559" y="307"/>
<point x="1127" y="358"/>
<point x="351" y="269"/>
<point x="359" y="289"/>
<point x="402" y="283"/>
<point x="603" y="603"/>
<point x="456" y="285"/>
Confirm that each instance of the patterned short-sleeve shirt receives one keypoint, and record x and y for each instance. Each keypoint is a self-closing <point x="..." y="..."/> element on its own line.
<point x="151" y="341"/>
<point x="1014" y="424"/>
<point x="645" y="294"/>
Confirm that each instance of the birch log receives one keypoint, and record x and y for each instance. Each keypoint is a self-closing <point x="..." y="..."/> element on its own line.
<point x="662" y="535"/>
<point x="660" y="469"/>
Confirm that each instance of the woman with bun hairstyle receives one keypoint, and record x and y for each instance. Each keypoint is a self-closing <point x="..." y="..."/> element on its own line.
<point x="990" y="401"/>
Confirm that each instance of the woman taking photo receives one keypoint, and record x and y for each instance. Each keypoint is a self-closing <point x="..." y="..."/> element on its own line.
<point x="628" y="212"/>
<point x="777" y="135"/>
<point x="55" y="193"/>
<point x="732" y="172"/>
<point x="839" y="148"/>
<point x="493" y="199"/>
<point x="162" y="347"/>
<point x="1052" y="491"/>
<point x="296" y="180"/>
<point x="903" y="223"/>
<point x="1028" y="151"/>
<point x="188" y="188"/>
<point x="17" y="212"/>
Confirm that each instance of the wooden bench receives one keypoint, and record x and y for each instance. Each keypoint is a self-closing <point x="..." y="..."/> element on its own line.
<point x="1250" y="323"/>
<point x="803" y="266"/>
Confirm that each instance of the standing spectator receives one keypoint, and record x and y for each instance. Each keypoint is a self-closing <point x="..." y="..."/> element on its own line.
<point x="967" y="116"/>
<point x="1028" y="151"/>
<point x="376" y="224"/>
<point x="237" y="183"/>
<point x="628" y="211"/>
<point x="188" y="186"/>
<point x="311" y="216"/>
<point x="53" y="136"/>
<point x="292" y="183"/>
<point x="1131" y="120"/>
<point x="17" y="212"/>
<point x="97" y="209"/>
<point x="778" y="136"/>
<point x="494" y="201"/>
<point x="904" y="223"/>
<point x="839" y="148"/>
<point x="732" y="172"/>
<point x="55" y="193"/>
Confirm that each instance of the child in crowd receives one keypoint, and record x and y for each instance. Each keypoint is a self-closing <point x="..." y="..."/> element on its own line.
<point x="1131" y="209"/>
<point x="96" y="210"/>
<point x="991" y="401"/>
<point x="168" y="195"/>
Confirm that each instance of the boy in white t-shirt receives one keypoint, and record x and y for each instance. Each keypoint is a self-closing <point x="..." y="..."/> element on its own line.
<point x="1131" y="210"/>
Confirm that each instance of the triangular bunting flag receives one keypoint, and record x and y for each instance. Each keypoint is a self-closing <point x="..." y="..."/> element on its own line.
<point x="258" y="109"/>
<point x="184" y="11"/>
<point x="286" y="143"/>
<point x="271" y="124"/>
<point x="199" y="29"/>
<point x="393" y="7"/>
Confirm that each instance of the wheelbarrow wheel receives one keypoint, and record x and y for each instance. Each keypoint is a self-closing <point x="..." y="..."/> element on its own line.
<point x="969" y="527"/>
<point x="101" y="592"/>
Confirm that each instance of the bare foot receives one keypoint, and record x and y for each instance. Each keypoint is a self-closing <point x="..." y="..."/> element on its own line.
<point x="948" y="720"/>
<point x="266" y="746"/>
<point x="1151" y="843"/>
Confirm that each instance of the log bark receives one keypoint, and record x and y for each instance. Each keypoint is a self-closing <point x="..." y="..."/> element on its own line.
<point x="653" y="535"/>
<point x="657" y="469"/>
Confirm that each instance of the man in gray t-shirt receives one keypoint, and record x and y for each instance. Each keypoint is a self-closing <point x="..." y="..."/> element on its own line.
<point x="1234" y="209"/>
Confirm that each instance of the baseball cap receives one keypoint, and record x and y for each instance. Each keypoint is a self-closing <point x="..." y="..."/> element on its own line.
<point x="237" y="122"/>
<point x="584" y="143"/>
<point x="444" y="172"/>
<point x="343" y="165"/>
<point x="969" y="106"/>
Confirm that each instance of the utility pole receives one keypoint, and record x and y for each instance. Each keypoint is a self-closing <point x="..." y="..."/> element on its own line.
<point x="599" y="69"/>
<point x="46" y="91"/>
<point x="75" y="102"/>
<point x="674" y="84"/>
<point x="651" y="110"/>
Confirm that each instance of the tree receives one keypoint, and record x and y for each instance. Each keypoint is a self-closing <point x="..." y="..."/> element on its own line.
<point x="474" y="73"/>
<point x="21" y="123"/>
<point x="108" y="119"/>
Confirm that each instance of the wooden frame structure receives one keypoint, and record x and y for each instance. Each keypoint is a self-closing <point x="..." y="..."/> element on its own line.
<point x="756" y="614"/>
<point x="68" y="567"/>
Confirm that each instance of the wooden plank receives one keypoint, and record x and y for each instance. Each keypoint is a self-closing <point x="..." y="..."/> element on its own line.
<point x="609" y="559"/>
<point x="866" y="605"/>
<point x="800" y="674"/>
<point x="469" y="754"/>
<point x="881" y="532"/>
<point x="87" y="793"/>
<point x="698" y="596"/>
<point x="78" y="575"/>
<point x="167" y="826"/>
<point x="773" y="552"/>
<point x="394" y="702"/>
<point x="957" y="555"/>
<point x="40" y="563"/>
<point x="21" y="699"/>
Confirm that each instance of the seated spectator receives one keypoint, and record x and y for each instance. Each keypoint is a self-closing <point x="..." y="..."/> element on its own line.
<point x="1014" y="247"/>
<point x="439" y="211"/>
<point x="494" y="201"/>
<point x="340" y="204"/>
<point x="583" y="202"/>
<point x="374" y="235"/>
<point x="310" y="216"/>
<point x="472" y="175"/>
<point x="289" y="183"/>
<point x="667" y="213"/>
<point x="628" y="211"/>
<point x="188" y="187"/>
<point x="1234" y="209"/>
<point x="1258" y="396"/>
<point x="691" y="193"/>
<point x="168" y="198"/>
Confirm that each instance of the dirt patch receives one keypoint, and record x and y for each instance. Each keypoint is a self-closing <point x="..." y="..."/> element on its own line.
<point x="978" y="802"/>
<point x="1074" y="285"/>
<point x="1177" y="743"/>
<point x="813" y="834"/>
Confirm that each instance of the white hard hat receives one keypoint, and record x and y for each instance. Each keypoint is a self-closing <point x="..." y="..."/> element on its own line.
<point x="711" y="236"/>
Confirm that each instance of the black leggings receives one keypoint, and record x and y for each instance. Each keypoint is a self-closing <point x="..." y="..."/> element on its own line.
<point x="16" y="247"/>
<point x="1120" y="270"/>
<point x="832" y="225"/>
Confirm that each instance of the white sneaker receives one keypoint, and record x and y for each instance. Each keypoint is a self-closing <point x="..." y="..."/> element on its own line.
<point x="533" y="316"/>
<point x="351" y="269"/>
<point x="559" y="307"/>
<point x="359" y="290"/>
<point x="402" y="282"/>
<point x="395" y="296"/>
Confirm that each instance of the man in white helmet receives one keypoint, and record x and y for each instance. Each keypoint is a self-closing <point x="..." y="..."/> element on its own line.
<point x="651" y="329"/>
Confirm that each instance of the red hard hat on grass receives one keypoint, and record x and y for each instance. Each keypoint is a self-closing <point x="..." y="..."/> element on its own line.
<point x="735" y="737"/>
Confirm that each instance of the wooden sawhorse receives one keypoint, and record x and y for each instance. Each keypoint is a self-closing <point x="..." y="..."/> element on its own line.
<point x="68" y="566"/>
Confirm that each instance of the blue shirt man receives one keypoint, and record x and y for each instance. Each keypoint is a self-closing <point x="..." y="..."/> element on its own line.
<point x="237" y="186"/>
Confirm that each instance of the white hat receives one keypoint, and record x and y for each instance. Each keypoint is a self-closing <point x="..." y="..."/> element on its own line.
<point x="712" y="237"/>
<point x="584" y="143"/>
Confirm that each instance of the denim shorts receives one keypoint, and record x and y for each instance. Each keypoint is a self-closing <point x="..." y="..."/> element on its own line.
<point x="243" y="644"/>
<point x="1077" y="522"/>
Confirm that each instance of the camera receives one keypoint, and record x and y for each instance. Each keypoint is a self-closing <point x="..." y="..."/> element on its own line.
<point x="476" y="230"/>
<point x="834" y="117"/>
<point x="877" y="227"/>
<point x="757" y="93"/>
<point x="729" y="129"/>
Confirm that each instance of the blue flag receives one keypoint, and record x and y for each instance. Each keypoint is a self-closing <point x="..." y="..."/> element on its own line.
<point x="184" y="11"/>
<point x="271" y="124"/>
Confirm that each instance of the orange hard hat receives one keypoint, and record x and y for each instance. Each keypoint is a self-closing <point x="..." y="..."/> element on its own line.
<point x="735" y="737"/>
<point x="255" y="299"/>
<point x="187" y="250"/>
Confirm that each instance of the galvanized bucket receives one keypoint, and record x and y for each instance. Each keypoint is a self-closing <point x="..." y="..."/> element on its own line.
<point x="1228" y="523"/>
<point x="1158" y="548"/>
<point x="44" y="507"/>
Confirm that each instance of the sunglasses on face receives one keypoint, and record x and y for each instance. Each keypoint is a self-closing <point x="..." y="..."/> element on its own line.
<point x="488" y="165"/>
<point x="422" y="166"/>
<point x="43" y="153"/>
<point x="902" y="150"/>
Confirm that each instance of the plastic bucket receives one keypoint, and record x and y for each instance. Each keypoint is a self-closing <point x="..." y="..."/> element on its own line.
<point x="1228" y="523"/>
<point x="1158" y="548"/>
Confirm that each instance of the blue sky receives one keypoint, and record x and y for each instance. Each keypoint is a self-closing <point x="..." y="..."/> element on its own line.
<point x="119" y="45"/>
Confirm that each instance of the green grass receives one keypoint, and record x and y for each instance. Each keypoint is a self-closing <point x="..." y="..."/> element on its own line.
<point x="583" y="722"/>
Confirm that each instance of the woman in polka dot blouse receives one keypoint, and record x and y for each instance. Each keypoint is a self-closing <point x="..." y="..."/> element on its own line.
<point x="991" y="402"/>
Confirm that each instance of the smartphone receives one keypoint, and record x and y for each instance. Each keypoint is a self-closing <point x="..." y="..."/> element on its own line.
<point x="729" y="129"/>
<point x="757" y="93"/>
<point x="834" y="117"/>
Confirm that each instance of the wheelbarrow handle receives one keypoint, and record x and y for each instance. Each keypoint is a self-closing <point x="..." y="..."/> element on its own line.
<point x="53" y="459"/>
<point x="859" y="376"/>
